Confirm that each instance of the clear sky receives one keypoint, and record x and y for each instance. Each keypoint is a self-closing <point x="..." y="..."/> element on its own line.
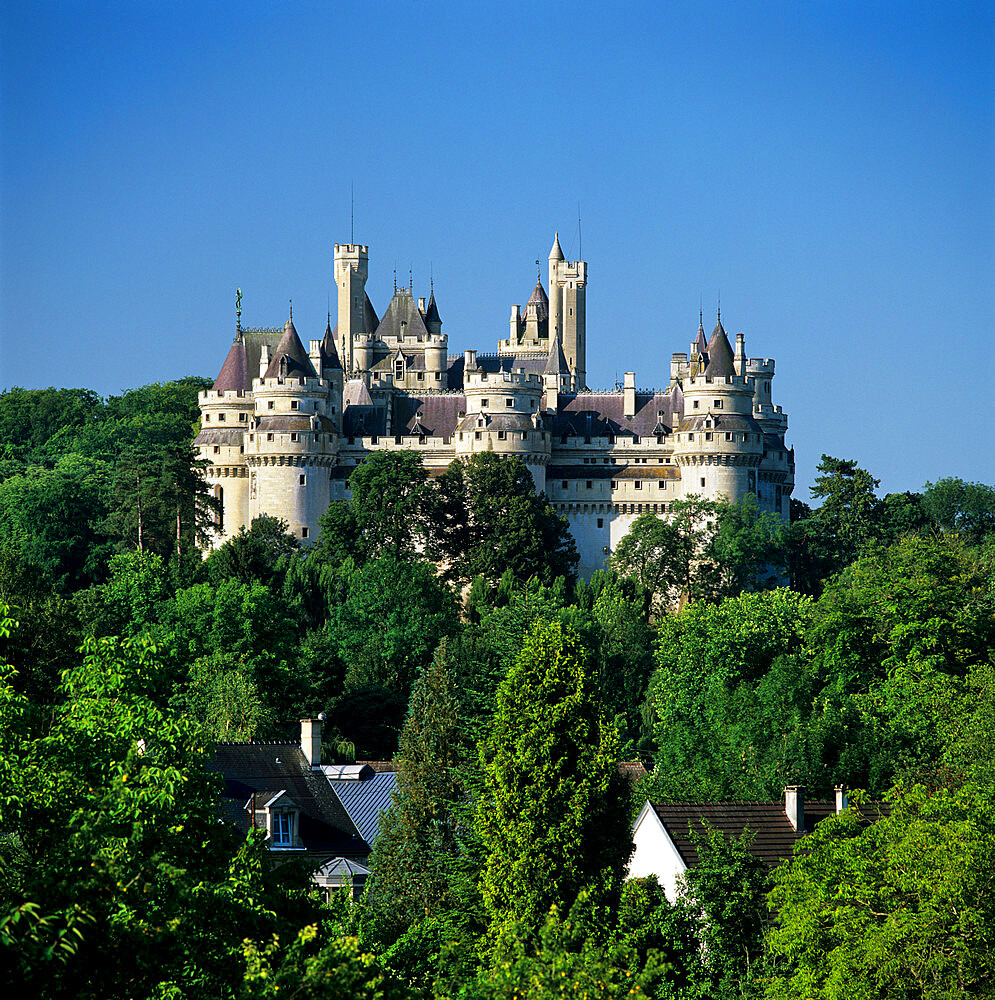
<point x="828" y="168"/>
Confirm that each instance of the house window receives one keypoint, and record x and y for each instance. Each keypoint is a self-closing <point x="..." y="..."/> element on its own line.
<point x="270" y="405"/>
<point x="281" y="829"/>
<point x="295" y="404"/>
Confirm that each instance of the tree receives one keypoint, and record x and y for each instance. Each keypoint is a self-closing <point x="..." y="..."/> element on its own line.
<point x="848" y="509"/>
<point x="487" y="519"/>
<point x="552" y="814"/>
<point x="389" y="492"/>
<point x="897" y="905"/>
<point x="748" y="547"/>
<point x="964" y="509"/>
<point x="259" y="552"/>
<point x="117" y="879"/>
<point x="727" y="891"/>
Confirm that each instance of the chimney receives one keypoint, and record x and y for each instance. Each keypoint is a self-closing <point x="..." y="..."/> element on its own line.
<point x="740" y="361"/>
<point x="263" y="360"/>
<point x="629" y="394"/>
<point x="469" y="361"/>
<point x="794" y="807"/>
<point x="421" y="304"/>
<point x="841" y="802"/>
<point x="311" y="741"/>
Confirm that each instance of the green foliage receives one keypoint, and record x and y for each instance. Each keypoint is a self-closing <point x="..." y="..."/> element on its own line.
<point x="727" y="890"/>
<point x="963" y="509"/>
<point x="898" y="905"/>
<point x="487" y="520"/>
<point x="389" y="496"/>
<point x="117" y="878"/>
<point x="257" y="553"/>
<point x="552" y="815"/>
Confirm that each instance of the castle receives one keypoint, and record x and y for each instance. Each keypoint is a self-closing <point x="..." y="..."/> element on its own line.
<point x="284" y="425"/>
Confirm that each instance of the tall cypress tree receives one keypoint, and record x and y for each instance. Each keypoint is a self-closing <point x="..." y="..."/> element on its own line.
<point x="552" y="817"/>
<point x="419" y="838"/>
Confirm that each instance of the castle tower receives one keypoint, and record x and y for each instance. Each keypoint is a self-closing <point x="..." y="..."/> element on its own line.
<point x="568" y="310"/>
<point x="351" y="269"/>
<point x="502" y="416"/>
<point x="718" y="444"/>
<point x="291" y="442"/>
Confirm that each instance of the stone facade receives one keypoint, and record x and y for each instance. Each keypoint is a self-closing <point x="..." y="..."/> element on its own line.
<point x="283" y="426"/>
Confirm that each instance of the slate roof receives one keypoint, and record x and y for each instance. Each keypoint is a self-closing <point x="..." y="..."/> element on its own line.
<point x="364" y="799"/>
<point x="556" y="361"/>
<point x="242" y="364"/>
<point x="403" y="308"/>
<point x="497" y="422"/>
<point x="298" y="364"/>
<point x="219" y="435"/>
<point x="556" y="253"/>
<point x="439" y="414"/>
<point x="721" y="361"/>
<point x="598" y="414"/>
<point x="268" y="768"/>
<point x="432" y="313"/>
<point x="533" y="363"/>
<point x="700" y="343"/>
<point x="720" y="422"/>
<point x="775" y="838"/>
<point x="539" y="299"/>
<point x="329" y="353"/>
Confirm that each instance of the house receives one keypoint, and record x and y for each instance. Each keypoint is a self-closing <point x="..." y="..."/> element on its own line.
<point x="663" y="846"/>
<point x="327" y="816"/>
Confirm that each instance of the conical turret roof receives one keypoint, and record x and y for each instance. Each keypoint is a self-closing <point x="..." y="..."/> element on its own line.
<point x="290" y="347"/>
<point x="700" y="344"/>
<point x="556" y="253"/>
<point x="432" y="312"/>
<point x="721" y="361"/>
<point x="234" y="372"/>
<point x="556" y="363"/>
<point x="329" y="354"/>
<point x="540" y="301"/>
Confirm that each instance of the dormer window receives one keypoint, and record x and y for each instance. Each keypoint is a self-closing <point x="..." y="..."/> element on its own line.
<point x="282" y="829"/>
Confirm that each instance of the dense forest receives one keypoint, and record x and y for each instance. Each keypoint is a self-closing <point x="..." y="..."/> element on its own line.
<point x="439" y="622"/>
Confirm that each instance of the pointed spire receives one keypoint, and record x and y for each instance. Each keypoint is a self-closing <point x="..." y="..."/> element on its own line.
<point x="555" y="252"/>
<point x="329" y="353"/>
<point x="290" y="358"/>
<point x="721" y="361"/>
<point x="556" y="362"/>
<point x="700" y="343"/>
<point x="432" y="318"/>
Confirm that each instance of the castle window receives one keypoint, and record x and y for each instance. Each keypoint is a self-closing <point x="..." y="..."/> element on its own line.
<point x="614" y="484"/>
<point x="207" y="418"/>
<point x="270" y="405"/>
<point x="694" y="404"/>
<point x="766" y="386"/>
<point x="702" y="480"/>
<point x="303" y="532"/>
<point x="461" y="435"/>
<point x="397" y="439"/>
<point x="509" y="402"/>
<point x="295" y="404"/>
<point x="601" y="522"/>
<point x="269" y="437"/>
<point x="501" y="435"/>
<point x="476" y="435"/>
<point x="421" y="375"/>
<point x="485" y="402"/>
<point x="525" y="436"/>
<point x="563" y="485"/>
<point x="690" y="437"/>
<point x="563" y="439"/>
<point x="399" y="370"/>
<point x="219" y="520"/>
<point x="728" y="436"/>
<point x="639" y="485"/>
<point x="221" y="417"/>
<point x="659" y="439"/>
<point x="708" y="437"/>
<point x="242" y="417"/>
<point x="589" y="484"/>
<point x="216" y="450"/>
<point x="716" y="404"/>
<point x="438" y="376"/>
<point x="374" y="439"/>
<point x="302" y="479"/>
<point x="662" y="484"/>
<point x="293" y="437"/>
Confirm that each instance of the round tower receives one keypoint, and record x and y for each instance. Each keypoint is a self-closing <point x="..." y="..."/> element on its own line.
<point x="291" y="442"/>
<point x="436" y="357"/>
<point x="502" y="416"/>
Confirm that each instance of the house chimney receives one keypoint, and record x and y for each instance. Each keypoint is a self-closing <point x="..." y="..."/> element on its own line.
<point x="841" y="802"/>
<point x="469" y="361"/>
<point x="794" y="807"/>
<point x="629" y="394"/>
<point x="311" y="741"/>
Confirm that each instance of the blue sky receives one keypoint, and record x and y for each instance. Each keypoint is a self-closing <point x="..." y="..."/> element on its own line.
<point x="829" y="168"/>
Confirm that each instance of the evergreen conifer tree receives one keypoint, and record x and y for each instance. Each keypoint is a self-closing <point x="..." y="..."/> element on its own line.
<point x="552" y="816"/>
